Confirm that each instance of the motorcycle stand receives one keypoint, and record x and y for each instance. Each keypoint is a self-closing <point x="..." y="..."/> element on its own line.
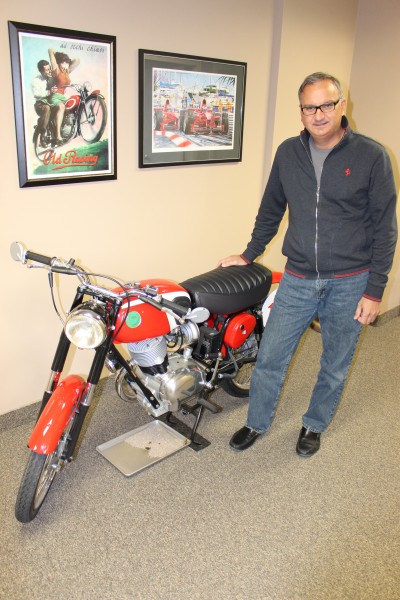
<point x="197" y="442"/>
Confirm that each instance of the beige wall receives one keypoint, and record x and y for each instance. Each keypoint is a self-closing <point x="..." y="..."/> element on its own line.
<point x="375" y="95"/>
<point x="173" y="222"/>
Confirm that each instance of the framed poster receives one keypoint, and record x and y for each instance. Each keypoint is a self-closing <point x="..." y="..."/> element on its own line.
<point x="191" y="109"/>
<point x="64" y="103"/>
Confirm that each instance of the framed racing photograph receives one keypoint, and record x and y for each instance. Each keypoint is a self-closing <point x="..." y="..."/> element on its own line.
<point x="64" y="102"/>
<point x="191" y="109"/>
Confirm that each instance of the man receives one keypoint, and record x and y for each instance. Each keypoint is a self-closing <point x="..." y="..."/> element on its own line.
<point x="339" y="190"/>
<point x="43" y="87"/>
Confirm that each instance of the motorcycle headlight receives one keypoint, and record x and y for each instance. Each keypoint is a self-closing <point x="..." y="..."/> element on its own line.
<point x="88" y="86"/>
<point x="86" y="326"/>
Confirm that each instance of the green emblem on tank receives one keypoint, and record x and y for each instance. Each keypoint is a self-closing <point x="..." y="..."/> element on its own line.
<point x="133" y="319"/>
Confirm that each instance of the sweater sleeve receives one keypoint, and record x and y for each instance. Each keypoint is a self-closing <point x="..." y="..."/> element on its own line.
<point x="382" y="200"/>
<point x="270" y="214"/>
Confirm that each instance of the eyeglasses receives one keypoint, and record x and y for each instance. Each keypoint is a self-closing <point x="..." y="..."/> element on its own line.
<point x="325" y="108"/>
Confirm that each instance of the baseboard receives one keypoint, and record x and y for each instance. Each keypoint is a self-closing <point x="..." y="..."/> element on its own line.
<point x="18" y="417"/>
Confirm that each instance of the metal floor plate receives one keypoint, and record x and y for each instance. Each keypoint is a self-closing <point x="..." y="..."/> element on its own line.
<point x="142" y="447"/>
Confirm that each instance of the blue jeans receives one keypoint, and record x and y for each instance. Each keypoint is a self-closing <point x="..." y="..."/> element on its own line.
<point x="297" y="303"/>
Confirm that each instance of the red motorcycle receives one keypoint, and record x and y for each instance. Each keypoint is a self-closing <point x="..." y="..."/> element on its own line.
<point x="85" y="115"/>
<point x="184" y="340"/>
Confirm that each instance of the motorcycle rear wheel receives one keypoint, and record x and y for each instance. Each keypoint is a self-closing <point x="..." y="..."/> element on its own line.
<point x="239" y="386"/>
<point x="40" y="150"/>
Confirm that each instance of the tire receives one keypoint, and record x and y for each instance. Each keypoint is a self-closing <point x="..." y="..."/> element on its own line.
<point x="38" y="477"/>
<point x="188" y="122"/>
<point x="182" y="120"/>
<point x="239" y="386"/>
<point x="225" y="123"/>
<point x="158" y="118"/>
<point x="39" y="150"/>
<point x="93" y="119"/>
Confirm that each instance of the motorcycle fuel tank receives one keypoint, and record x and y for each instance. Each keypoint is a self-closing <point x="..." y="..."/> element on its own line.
<point x="138" y="321"/>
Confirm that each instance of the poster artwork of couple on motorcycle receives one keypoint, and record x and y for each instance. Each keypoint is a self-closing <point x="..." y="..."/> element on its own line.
<point x="66" y="91"/>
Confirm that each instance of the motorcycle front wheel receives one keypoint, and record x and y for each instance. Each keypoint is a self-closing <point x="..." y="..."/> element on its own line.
<point x="38" y="476"/>
<point x="93" y="119"/>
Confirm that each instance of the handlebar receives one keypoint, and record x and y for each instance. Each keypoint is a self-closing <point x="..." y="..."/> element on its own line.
<point x="40" y="258"/>
<point x="20" y="254"/>
<point x="163" y="304"/>
<point x="55" y="265"/>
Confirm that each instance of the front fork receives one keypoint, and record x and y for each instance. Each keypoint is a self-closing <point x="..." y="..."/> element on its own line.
<point x="71" y="397"/>
<point x="59" y="359"/>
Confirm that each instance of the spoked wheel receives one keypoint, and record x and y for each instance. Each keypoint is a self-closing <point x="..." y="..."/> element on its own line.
<point x="38" y="476"/>
<point x="246" y="356"/>
<point x="40" y="150"/>
<point x="93" y="119"/>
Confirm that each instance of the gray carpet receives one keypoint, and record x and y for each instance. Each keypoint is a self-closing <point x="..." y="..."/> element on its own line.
<point x="215" y="524"/>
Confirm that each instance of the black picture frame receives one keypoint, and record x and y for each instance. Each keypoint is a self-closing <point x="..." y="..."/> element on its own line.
<point x="86" y="147"/>
<point x="191" y="109"/>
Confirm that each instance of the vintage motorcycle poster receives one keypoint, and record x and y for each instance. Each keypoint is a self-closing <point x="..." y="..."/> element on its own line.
<point x="64" y="99"/>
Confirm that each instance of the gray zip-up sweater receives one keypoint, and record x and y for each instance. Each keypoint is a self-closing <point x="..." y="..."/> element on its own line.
<point x="346" y="226"/>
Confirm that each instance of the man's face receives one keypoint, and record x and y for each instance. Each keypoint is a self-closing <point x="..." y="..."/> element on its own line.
<point x="46" y="71"/>
<point x="324" y="127"/>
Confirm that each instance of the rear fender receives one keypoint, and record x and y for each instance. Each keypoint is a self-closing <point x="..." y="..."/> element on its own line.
<point x="268" y="304"/>
<point x="56" y="415"/>
<point x="276" y="277"/>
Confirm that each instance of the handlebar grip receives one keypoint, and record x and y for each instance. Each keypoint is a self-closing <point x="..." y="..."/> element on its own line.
<point x="40" y="258"/>
<point x="163" y="303"/>
<point x="177" y="308"/>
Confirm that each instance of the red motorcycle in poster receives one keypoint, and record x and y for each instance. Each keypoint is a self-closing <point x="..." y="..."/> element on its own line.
<point x="184" y="340"/>
<point x="85" y="116"/>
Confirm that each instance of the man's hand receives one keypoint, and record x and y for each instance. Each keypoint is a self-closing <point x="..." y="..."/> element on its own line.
<point x="234" y="259"/>
<point x="367" y="311"/>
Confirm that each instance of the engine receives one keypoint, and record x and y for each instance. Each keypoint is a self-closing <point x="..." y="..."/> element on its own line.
<point x="68" y="125"/>
<point x="172" y="377"/>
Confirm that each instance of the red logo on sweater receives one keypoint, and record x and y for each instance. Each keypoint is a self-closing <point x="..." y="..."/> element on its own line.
<point x="347" y="172"/>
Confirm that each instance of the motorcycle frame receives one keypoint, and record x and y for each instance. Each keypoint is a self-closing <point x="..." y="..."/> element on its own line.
<point x="71" y="397"/>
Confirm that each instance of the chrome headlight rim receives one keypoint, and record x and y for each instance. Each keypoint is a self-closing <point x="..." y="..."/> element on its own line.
<point x="86" y="326"/>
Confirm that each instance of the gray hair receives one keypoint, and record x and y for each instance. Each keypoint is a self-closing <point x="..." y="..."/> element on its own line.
<point x="315" y="77"/>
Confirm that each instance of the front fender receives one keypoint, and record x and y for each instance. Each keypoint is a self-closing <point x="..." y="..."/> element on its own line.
<point x="56" y="414"/>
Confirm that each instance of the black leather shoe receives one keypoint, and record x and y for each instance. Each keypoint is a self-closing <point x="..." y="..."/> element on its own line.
<point x="244" y="438"/>
<point x="308" y="442"/>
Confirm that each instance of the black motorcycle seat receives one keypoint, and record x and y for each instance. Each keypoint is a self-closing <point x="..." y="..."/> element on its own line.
<point x="227" y="290"/>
